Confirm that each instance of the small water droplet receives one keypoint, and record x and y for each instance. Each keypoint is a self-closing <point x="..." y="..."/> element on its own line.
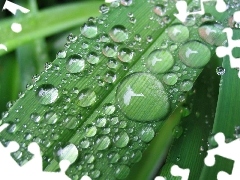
<point x="125" y="55"/>
<point x="220" y="71"/>
<point x="109" y="50"/>
<point x="118" y="33"/>
<point x="110" y="77"/>
<point x="112" y="63"/>
<point x="159" y="9"/>
<point x="146" y="134"/>
<point x="51" y="117"/>
<point x="177" y="131"/>
<point x="89" y="30"/>
<point x="170" y="79"/>
<point x="72" y="38"/>
<point x="126" y="2"/>
<point x="84" y="144"/>
<point x="178" y="33"/>
<point x="61" y="54"/>
<point x="75" y="64"/>
<point x="122" y="172"/>
<point x="186" y="85"/>
<point x="93" y="58"/>
<point x="103" y="143"/>
<point x="86" y="97"/>
<point x="47" y="94"/>
<point x="70" y="153"/>
<point x="109" y="109"/>
<point x="104" y="9"/>
<point x="35" y="117"/>
<point x="101" y="121"/>
<point x="121" y="140"/>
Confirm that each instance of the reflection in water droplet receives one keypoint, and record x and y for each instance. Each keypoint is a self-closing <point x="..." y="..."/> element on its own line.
<point x="104" y="9"/>
<point x="121" y="140"/>
<point x="170" y="79"/>
<point x="109" y="50"/>
<point x="93" y="58"/>
<point x="47" y="94"/>
<point x="186" y="85"/>
<point x="86" y="97"/>
<point x="144" y="92"/>
<point x="220" y="71"/>
<point x="69" y="153"/>
<point x="159" y="9"/>
<point x="51" y="117"/>
<point x="159" y="61"/>
<point x="147" y="134"/>
<point x="178" y="33"/>
<point x="125" y="55"/>
<point x="89" y="30"/>
<point x="194" y="54"/>
<point x="75" y="64"/>
<point x="103" y="143"/>
<point x="118" y="33"/>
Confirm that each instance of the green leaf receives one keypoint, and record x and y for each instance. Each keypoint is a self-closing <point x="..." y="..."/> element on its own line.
<point x="45" y="23"/>
<point x="109" y="91"/>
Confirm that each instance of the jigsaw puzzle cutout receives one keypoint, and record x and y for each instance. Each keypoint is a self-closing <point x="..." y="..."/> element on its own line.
<point x="227" y="150"/>
<point x="32" y="168"/>
<point x="176" y="171"/>
<point x="183" y="12"/>
<point x="223" y="51"/>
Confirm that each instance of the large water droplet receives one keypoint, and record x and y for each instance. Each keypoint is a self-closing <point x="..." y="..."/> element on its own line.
<point x="147" y="134"/>
<point x="159" y="61"/>
<point x="125" y="55"/>
<point x="89" y="30"/>
<point x="75" y="64"/>
<point x="118" y="33"/>
<point x="178" y="33"/>
<point x="121" y="139"/>
<point x="47" y="94"/>
<point x="109" y="50"/>
<point x="142" y="97"/>
<point x="194" y="54"/>
<point x="86" y="97"/>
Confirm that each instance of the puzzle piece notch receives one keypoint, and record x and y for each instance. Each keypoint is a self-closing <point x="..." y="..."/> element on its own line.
<point x="183" y="13"/>
<point x="177" y="171"/>
<point x="223" y="51"/>
<point x="236" y="16"/>
<point x="227" y="150"/>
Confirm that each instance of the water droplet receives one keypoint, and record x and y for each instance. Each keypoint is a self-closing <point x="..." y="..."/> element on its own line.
<point x="121" y="140"/>
<point x="136" y="156"/>
<point x="103" y="142"/>
<point x="75" y="64"/>
<point x="122" y="172"/>
<point x="170" y="79"/>
<point x="95" y="173"/>
<point x="91" y="131"/>
<point x="110" y="77"/>
<point x="47" y="94"/>
<point x="61" y="54"/>
<point x="89" y="30"/>
<point x="125" y="55"/>
<point x="12" y="128"/>
<point x="89" y="158"/>
<point x="220" y="71"/>
<point x="137" y="37"/>
<point x="186" y="85"/>
<point x="35" y="117"/>
<point x="72" y="38"/>
<point x="194" y="54"/>
<point x="101" y="121"/>
<point x="159" y="61"/>
<point x="159" y="9"/>
<point x="84" y="144"/>
<point x="86" y="97"/>
<point x="93" y="58"/>
<point x="71" y="122"/>
<point x="177" y="131"/>
<point x="109" y="109"/>
<point x="51" y="117"/>
<point x="109" y="50"/>
<point x="126" y="2"/>
<point x="113" y="157"/>
<point x="147" y="134"/>
<point x="118" y="33"/>
<point x="212" y="34"/>
<point x="70" y="153"/>
<point x="112" y="63"/>
<point x="144" y="92"/>
<point x="178" y="33"/>
<point x="104" y="9"/>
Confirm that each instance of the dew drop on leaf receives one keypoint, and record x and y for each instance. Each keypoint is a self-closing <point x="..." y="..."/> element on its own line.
<point x="186" y="85"/>
<point x="121" y="140"/>
<point x="122" y="172"/>
<point x="35" y="117"/>
<point x="125" y="55"/>
<point x="110" y="77"/>
<point x="89" y="30"/>
<point x="61" y="54"/>
<point x="159" y="10"/>
<point x="146" y="134"/>
<point x="104" y="9"/>
<point x="109" y="109"/>
<point x="69" y="152"/>
<point x="118" y="33"/>
<point x="126" y="2"/>
<point x="159" y="61"/>
<point x="178" y="33"/>
<point x="75" y="64"/>
<point x="47" y="94"/>
<point x="109" y="50"/>
<point x="142" y="97"/>
<point x="103" y="143"/>
<point x="220" y="71"/>
<point x="51" y="117"/>
<point x="93" y="58"/>
<point x="170" y="79"/>
<point x="86" y="97"/>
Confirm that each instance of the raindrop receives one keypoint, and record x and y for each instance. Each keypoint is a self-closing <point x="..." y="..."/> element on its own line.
<point x="104" y="9"/>
<point x="91" y="131"/>
<point x="126" y="2"/>
<point x="47" y="94"/>
<point x="108" y="109"/>
<point x="144" y="92"/>
<point x="89" y="158"/>
<point x="118" y="33"/>
<point x="159" y="61"/>
<point x="84" y="144"/>
<point x="89" y="30"/>
<point x="147" y="134"/>
<point x="103" y="143"/>
<point x="101" y="121"/>
<point x="194" y="54"/>
<point x="177" y="131"/>
<point x="159" y="10"/>
<point x="220" y="71"/>
<point x="121" y="140"/>
<point x="71" y="122"/>
<point x="75" y="64"/>
<point x="110" y="77"/>
<point x="86" y="97"/>
<point x="35" y="117"/>
<point x="61" y="54"/>
<point x="72" y="38"/>
<point x="170" y="79"/>
<point x="109" y="50"/>
<point x="12" y="128"/>
<point x="178" y="33"/>
<point x="51" y="117"/>
<point x="125" y="55"/>
<point x="112" y="63"/>
<point x="70" y="153"/>
<point x="93" y="58"/>
<point x="113" y="157"/>
<point x="186" y="85"/>
<point x="122" y="172"/>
